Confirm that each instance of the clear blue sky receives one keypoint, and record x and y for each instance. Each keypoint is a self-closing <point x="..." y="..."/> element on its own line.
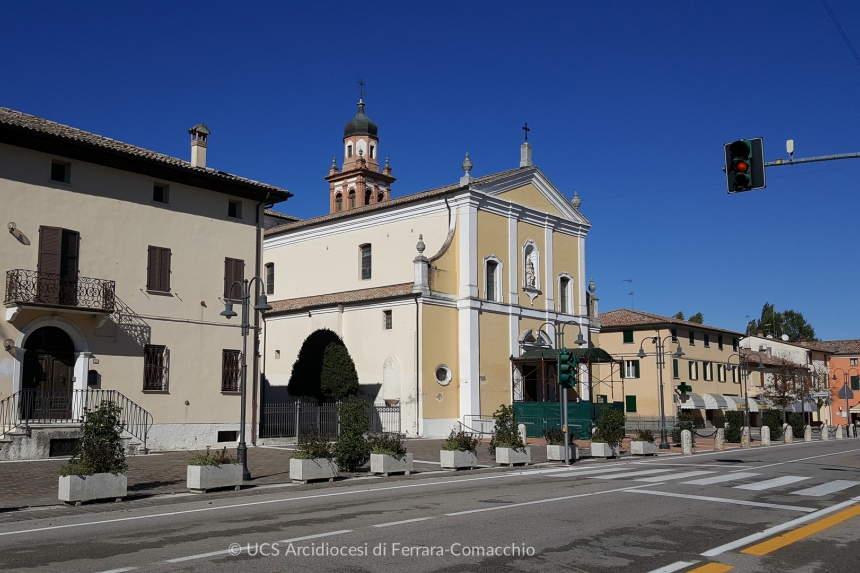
<point x="629" y="104"/>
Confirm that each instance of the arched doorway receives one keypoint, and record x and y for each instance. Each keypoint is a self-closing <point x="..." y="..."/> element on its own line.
<point x="46" y="382"/>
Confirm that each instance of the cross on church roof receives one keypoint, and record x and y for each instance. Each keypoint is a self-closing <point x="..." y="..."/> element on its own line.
<point x="361" y="92"/>
<point x="527" y="130"/>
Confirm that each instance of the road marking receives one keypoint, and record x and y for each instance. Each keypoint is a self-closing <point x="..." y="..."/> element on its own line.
<point x="631" y="474"/>
<point x="805" y="531"/>
<point x="675" y="476"/>
<point x="777" y="528"/>
<point x="389" y="524"/>
<point x="120" y="570"/>
<point x="676" y="566"/>
<point x="563" y="498"/>
<point x="826" y="488"/>
<point x="804" y="459"/>
<point x="726" y="500"/>
<point x="720" y="479"/>
<point x="771" y="483"/>
<point x="712" y="568"/>
<point x="572" y="474"/>
<point x="315" y="536"/>
<point x="423" y="462"/>
<point x="198" y="556"/>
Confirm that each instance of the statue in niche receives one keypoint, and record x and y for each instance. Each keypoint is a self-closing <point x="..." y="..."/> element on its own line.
<point x="530" y="272"/>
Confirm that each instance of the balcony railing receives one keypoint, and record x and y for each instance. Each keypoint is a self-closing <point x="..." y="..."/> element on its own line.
<point x="34" y="287"/>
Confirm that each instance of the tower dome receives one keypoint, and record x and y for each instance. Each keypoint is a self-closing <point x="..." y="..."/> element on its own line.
<point x="360" y="124"/>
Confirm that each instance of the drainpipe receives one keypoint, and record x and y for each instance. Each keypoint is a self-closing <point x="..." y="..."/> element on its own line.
<point x="256" y="362"/>
<point x="417" y="372"/>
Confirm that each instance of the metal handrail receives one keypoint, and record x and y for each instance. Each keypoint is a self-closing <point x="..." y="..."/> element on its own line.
<point x="35" y="407"/>
<point x="35" y="287"/>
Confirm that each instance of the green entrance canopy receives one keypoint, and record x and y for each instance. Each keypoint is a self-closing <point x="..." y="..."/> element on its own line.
<point x="593" y="355"/>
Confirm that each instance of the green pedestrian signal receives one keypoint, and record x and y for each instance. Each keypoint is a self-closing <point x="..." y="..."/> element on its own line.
<point x="744" y="165"/>
<point x="566" y="368"/>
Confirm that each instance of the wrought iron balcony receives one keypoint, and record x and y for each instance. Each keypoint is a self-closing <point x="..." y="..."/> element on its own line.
<point x="25" y="288"/>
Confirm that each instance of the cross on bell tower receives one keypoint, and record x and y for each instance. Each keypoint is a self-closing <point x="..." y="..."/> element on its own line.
<point x="359" y="182"/>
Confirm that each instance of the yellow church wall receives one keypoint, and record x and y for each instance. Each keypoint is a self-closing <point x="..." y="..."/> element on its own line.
<point x="529" y="196"/>
<point x="439" y="342"/>
<point x="443" y="271"/>
<point x="565" y="254"/>
<point x="493" y="240"/>
<point x="495" y="363"/>
<point x="526" y="231"/>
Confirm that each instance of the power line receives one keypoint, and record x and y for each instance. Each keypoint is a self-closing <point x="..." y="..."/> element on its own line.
<point x="841" y="31"/>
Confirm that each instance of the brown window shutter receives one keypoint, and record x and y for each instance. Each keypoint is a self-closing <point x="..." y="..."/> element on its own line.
<point x="234" y="270"/>
<point x="152" y="268"/>
<point x="228" y="276"/>
<point x="164" y="269"/>
<point x="50" y="250"/>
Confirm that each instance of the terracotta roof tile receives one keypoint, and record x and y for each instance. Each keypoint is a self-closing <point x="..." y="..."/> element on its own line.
<point x="392" y="203"/>
<point x="615" y="319"/>
<point x="367" y="294"/>
<point x="836" y="346"/>
<point x="273" y="213"/>
<point x="20" y="120"/>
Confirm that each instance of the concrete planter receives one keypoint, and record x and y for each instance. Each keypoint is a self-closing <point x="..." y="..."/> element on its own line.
<point x="602" y="450"/>
<point x="97" y="486"/>
<point x="511" y="456"/>
<point x="201" y="478"/>
<point x="388" y="464"/>
<point x="458" y="459"/>
<point x="318" y="468"/>
<point x="556" y="453"/>
<point x="643" y="448"/>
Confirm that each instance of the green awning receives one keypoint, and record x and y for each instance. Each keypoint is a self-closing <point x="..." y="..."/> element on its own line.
<point x="593" y="355"/>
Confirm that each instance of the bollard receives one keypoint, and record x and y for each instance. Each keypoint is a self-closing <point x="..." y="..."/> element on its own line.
<point x="745" y="437"/>
<point x="839" y="432"/>
<point x="788" y="436"/>
<point x="720" y="440"/>
<point x="521" y="429"/>
<point x="807" y="434"/>
<point x="765" y="435"/>
<point x="687" y="442"/>
<point x="825" y="432"/>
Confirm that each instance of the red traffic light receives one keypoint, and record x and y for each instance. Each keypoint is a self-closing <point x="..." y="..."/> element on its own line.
<point x="742" y="166"/>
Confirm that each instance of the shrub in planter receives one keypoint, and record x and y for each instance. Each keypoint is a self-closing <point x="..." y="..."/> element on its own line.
<point x="645" y="436"/>
<point x="773" y="420"/>
<point x="734" y="426"/>
<point x="460" y="441"/>
<point x="610" y="428"/>
<point x="555" y="446"/>
<point x="458" y="450"/>
<point x="553" y="437"/>
<point x="97" y="470"/>
<point x="351" y="449"/>
<point x="685" y="422"/>
<point x="211" y="471"/>
<point x="313" y="459"/>
<point x="388" y="455"/>
<point x="795" y="420"/>
<point x="643" y="444"/>
<point x="506" y="434"/>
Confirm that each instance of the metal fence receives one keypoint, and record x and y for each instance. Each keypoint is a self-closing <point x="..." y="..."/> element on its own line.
<point x="535" y="425"/>
<point x="27" y="286"/>
<point x="636" y="423"/>
<point x="293" y="419"/>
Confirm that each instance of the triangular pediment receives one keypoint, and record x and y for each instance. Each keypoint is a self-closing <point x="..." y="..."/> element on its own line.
<point x="531" y="188"/>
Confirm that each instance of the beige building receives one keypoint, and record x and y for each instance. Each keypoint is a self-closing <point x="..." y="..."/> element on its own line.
<point x="116" y="262"/>
<point x="430" y="291"/>
<point x="709" y="365"/>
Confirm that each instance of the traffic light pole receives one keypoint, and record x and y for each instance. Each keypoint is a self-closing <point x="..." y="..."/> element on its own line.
<point x="793" y="161"/>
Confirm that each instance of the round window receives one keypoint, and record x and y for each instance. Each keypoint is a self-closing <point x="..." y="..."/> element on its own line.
<point x="443" y="375"/>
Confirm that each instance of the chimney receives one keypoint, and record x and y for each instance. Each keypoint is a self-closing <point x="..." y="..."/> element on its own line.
<point x="803" y="341"/>
<point x="760" y="333"/>
<point x="526" y="155"/>
<point x="199" y="134"/>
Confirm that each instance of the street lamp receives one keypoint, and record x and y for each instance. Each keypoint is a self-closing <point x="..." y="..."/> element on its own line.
<point x="558" y="332"/>
<point x="846" y="391"/>
<point x="745" y="377"/>
<point x="661" y="363"/>
<point x="228" y="312"/>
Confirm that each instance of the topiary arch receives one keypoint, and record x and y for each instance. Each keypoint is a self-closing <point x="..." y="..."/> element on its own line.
<point x="315" y="362"/>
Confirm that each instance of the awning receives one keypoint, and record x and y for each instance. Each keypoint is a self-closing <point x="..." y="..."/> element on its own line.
<point x="694" y="402"/>
<point x="855" y="409"/>
<point x="715" y="402"/>
<point x="764" y="403"/>
<point x="738" y="403"/>
<point x="801" y="406"/>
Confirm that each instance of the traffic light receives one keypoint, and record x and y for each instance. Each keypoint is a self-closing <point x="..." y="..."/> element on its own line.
<point x="745" y="165"/>
<point x="566" y="368"/>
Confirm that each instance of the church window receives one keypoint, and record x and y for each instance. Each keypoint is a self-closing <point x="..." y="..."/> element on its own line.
<point x="492" y="267"/>
<point x="352" y="199"/>
<point x="380" y="198"/>
<point x="338" y="202"/>
<point x="372" y="151"/>
<point x="564" y="295"/>
<point x="365" y="262"/>
<point x="493" y="279"/>
<point x="386" y="320"/>
<point x="349" y="150"/>
<point x="270" y="278"/>
<point x="367" y="195"/>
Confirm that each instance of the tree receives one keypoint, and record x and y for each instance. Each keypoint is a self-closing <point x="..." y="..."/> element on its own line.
<point x="338" y="378"/>
<point x="100" y="450"/>
<point x="352" y="449"/>
<point x="306" y="377"/>
<point x="698" y="318"/>
<point x="679" y="316"/>
<point x="788" y="322"/>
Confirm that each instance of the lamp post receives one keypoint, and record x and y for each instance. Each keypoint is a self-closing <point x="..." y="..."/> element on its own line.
<point x="745" y="377"/>
<point x="846" y="390"/>
<point x="558" y="336"/>
<point x="660" y="353"/>
<point x="228" y="312"/>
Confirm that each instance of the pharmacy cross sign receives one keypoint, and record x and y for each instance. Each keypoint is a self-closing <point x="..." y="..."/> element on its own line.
<point x="684" y="388"/>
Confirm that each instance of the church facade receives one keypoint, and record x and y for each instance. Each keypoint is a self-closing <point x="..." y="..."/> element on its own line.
<point x="432" y="291"/>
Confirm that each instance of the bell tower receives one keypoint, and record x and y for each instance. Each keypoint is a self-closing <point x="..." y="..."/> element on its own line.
<point x="360" y="181"/>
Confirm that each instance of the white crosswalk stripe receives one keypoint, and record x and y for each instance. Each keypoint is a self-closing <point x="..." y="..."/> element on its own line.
<point x="721" y="479"/>
<point x="771" y="483"/>
<point x="630" y="474"/>
<point x="826" y="488"/>
<point x="683" y="475"/>
<point x="581" y="472"/>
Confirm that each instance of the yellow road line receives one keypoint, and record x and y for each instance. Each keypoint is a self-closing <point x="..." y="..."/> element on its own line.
<point x="711" y="568"/>
<point x="779" y="542"/>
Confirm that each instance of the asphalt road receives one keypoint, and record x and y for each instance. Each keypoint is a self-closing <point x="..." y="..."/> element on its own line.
<point x="788" y="508"/>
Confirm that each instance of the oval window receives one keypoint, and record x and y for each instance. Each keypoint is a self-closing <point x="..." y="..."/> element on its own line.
<point x="443" y="375"/>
